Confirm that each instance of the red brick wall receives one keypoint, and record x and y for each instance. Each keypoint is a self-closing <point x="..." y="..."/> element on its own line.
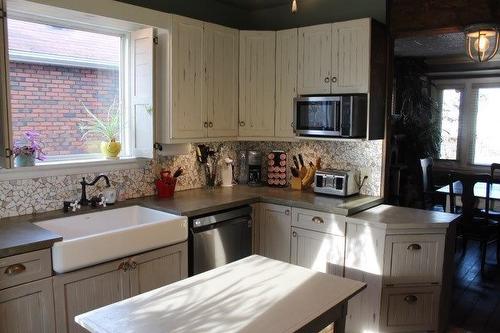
<point x="47" y="99"/>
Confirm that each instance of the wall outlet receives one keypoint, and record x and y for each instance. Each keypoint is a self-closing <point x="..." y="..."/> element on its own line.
<point x="364" y="172"/>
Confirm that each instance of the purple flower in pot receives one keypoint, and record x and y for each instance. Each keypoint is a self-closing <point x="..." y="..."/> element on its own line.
<point x="29" y="149"/>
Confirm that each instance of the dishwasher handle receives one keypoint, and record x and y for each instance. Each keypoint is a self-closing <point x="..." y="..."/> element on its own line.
<point x="244" y="219"/>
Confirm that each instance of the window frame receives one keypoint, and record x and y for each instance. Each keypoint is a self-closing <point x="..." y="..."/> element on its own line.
<point x="467" y="122"/>
<point x="123" y="75"/>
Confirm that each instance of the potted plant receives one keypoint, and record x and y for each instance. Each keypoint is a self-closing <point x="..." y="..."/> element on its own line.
<point x="107" y="129"/>
<point x="27" y="150"/>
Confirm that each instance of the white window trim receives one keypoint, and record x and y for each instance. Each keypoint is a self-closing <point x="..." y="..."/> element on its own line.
<point x="73" y="168"/>
<point x="466" y="133"/>
<point x="82" y="163"/>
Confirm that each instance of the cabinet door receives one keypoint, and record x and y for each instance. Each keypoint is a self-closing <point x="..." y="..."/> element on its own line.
<point x="27" y="308"/>
<point x="88" y="289"/>
<point x="188" y="115"/>
<point x="318" y="251"/>
<point x="257" y="83"/>
<point x="275" y="226"/>
<point x="286" y="81"/>
<point x="221" y="80"/>
<point x="158" y="268"/>
<point x="315" y="59"/>
<point x="351" y="57"/>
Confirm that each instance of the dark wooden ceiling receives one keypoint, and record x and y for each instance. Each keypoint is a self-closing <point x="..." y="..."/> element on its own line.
<point x="255" y="4"/>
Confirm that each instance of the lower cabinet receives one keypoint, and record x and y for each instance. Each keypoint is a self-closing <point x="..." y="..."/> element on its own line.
<point x="274" y="230"/>
<point x="318" y="251"/>
<point x="90" y="288"/>
<point x="27" y="308"/>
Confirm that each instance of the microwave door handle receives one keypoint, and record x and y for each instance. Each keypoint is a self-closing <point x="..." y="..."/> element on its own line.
<point x="340" y="117"/>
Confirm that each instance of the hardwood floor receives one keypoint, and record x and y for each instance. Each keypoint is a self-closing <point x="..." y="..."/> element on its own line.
<point x="476" y="299"/>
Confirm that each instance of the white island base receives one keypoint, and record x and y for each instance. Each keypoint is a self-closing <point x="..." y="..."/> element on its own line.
<point x="255" y="294"/>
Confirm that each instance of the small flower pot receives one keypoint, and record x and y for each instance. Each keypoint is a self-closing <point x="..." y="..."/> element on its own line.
<point x="24" y="161"/>
<point x="111" y="149"/>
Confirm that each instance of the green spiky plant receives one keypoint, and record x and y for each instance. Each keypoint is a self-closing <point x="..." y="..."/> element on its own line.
<point x="107" y="128"/>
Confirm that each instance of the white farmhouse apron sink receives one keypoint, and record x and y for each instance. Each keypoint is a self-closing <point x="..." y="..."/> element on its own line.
<point x="97" y="237"/>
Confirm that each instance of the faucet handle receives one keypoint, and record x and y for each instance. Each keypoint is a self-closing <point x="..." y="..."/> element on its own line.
<point x="75" y="205"/>
<point x="102" y="202"/>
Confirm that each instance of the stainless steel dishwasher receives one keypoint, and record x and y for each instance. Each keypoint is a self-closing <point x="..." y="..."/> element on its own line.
<point x="218" y="239"/>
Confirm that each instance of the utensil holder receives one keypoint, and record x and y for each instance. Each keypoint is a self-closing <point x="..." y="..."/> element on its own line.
<point x="296" y="183"/>
<point x="165" y="190"/>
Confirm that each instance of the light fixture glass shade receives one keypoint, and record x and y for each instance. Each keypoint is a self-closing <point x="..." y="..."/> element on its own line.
<point x="482" y="41"/>
<point x="294" y="6"/>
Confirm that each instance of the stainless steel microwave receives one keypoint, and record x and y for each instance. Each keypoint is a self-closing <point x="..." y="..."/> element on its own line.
<point x="331" y="116"/>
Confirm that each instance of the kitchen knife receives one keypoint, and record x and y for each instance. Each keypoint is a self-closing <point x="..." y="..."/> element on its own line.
<point x="303" y="168"/>
<point x="296" y="162"/>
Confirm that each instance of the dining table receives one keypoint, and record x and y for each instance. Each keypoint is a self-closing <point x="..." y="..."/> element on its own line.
<point x="252" y="295"/>
<point x="479" y="192"/>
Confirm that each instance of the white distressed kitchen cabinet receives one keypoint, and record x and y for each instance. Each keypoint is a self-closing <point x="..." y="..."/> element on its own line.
<point x="315" y="60"/>
<point x="204" y="74"/>
<point x="221" y="80"/>
<point x="286" y="81"/>
<point x="28" y="308"/>
<point x="335" y="58"/>
<point x="275" y="229"/>
<point x="405" y="256"/>
<point x="90" y="288"/>
<point x="189" y="119"/>
<point x="257" y="83"/>
<point x="318" y="241"/>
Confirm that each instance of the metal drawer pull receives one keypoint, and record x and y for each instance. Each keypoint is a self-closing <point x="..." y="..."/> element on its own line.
<point x="287" y="212"/>
<point x="411" y="299"/>
<point x="294" y="234"/>
<point x="210" y="124"/>
<point x="334" y="79"/>
<point x="242" y="123"/>
<point x="318" y="220"/>
<point x="205" y="124"/>
<point x="15" y="269"/>
<point x="327" y="80"/>
<point x="414" y="247"/>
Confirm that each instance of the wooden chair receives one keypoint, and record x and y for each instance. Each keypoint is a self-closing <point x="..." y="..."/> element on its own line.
<point x="474" y="223"/>
<point x="430" y="198"/>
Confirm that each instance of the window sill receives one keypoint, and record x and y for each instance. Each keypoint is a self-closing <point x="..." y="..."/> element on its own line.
<point x="66" y="168"/>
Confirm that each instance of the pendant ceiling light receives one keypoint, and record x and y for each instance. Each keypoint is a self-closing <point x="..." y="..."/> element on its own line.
<point x="482" y="41"/>
<point x="294" y="6"/>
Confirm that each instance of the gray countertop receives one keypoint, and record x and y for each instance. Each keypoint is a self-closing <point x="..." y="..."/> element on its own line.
<point x="19" y="235"/>
<point x="394" y="217"/>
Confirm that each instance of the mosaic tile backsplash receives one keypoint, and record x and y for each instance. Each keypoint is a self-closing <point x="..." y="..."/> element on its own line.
<point x="36" y="195"/>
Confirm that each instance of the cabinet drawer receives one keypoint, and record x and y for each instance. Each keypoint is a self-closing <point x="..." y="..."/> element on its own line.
<point x="24" y="268"/>
<point x="318" y="221"/>
<point x="413" y="259"/>
<point x="412" y="309"/>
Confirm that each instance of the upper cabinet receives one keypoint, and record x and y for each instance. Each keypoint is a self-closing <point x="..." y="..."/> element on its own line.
<point x="221" y="80"/>
<point x="286" y="81"/>
<point x="334" y="58"/>
<point x="204" y="80"/>
<point x="315" y="59"/>
<point x="257" y="83"/>
<point x="189" y="118"/>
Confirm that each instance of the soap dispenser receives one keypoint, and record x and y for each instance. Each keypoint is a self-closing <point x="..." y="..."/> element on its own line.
<point x="227" y="172"/>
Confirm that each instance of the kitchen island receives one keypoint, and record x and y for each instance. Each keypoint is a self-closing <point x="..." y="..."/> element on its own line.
<point x="255" y="294"/>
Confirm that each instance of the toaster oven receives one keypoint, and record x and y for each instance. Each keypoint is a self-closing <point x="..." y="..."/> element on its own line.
<point x="336" y="182"/>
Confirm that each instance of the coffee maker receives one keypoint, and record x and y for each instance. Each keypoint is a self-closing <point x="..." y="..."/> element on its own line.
<point x="254" y="160"/>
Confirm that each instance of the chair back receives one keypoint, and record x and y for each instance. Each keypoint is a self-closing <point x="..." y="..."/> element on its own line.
<point x="495" y="172"/>
<point x="469" y="200"/>
<point x="426" y="174"/>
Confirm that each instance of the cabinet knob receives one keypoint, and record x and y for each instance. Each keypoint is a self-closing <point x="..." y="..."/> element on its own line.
<point x="411" y="299"/>
<point x="15" y="269"/>
<point x="210" y="124"/>
<point x="242" y="123"/>
<point x="294" y="234"/>
<point x="292" y="124"/>
<point x="318" y="220"/>
<point x="334" y="79"/>
<point x="414" y="247"/>
<point x="327" y="80"/>
<point x="205" y="124"/>
<point x="287" y="212"/>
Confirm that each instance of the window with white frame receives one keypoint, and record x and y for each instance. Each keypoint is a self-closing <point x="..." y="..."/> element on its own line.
<point x="470" y="114"/>
<point x="80" y="91"/>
